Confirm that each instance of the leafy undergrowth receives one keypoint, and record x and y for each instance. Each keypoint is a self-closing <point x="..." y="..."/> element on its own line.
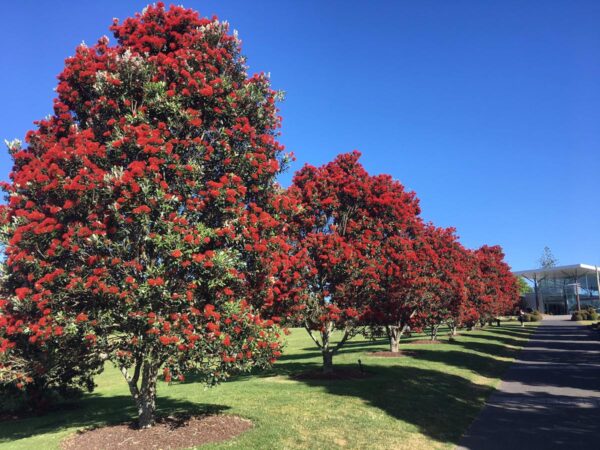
<point x="424" y="400"/>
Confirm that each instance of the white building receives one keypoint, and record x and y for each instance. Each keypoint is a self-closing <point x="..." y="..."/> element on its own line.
<point x="563" y="289"/>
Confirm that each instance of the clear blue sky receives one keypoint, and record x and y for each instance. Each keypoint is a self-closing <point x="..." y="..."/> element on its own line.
<point x="489" y="110"/>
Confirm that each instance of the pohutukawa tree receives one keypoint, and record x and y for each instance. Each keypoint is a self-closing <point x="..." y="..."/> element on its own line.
<point x="399" y="258"/>
<point x="446" y="292"/>
<point x="140" y="213"/>
<point x="469" y="313"/>
<point x="499" y="291"/>
<point x="330" y="235"/>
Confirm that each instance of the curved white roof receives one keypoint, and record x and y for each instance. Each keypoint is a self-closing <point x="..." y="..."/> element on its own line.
<point x="558" y="271"/>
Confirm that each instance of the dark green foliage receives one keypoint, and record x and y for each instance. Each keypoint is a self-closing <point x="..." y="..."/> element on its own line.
<point x="585" y="314"/>
<point x="577" y="316"/>
<point x="34" y="399"/>
<point x="534" y="316"/>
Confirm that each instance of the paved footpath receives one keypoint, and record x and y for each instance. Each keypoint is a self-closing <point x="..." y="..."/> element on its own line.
<point x="549" y="398"/>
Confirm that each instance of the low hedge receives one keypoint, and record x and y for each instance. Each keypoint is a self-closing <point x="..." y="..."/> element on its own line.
<point x="534" y="316"/>
<point x="585" y="314"/>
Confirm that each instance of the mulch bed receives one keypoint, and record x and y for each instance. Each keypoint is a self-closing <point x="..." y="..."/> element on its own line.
<point x="399" y="354"/>
<point x="337" y="374"/>
<point x="168" y="433"/>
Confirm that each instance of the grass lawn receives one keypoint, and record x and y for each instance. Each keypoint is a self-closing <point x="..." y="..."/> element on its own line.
<point x="586" y="322"/>
<point x="422" y="401"/>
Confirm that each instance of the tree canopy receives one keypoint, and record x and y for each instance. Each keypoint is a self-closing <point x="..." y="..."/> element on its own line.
<point x="141" y="212"/>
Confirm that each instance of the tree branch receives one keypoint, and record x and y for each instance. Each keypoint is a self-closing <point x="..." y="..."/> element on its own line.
<point x="342" y="342"/>
<point x="312" y="336"/>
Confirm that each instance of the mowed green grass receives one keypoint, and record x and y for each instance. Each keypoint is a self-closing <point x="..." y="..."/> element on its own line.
<point x="423" y="401"/>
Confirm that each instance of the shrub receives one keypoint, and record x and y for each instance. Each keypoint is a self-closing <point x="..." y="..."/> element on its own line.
<point x="585" y="314"/>
<point x="534" y="316"/>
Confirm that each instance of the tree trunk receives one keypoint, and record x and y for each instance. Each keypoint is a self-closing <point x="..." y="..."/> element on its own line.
<point x="394" y="344"/>
<point x="434" y="330"/>
<point x="394" y="337"/>
<point x="453" y="330"/>
<point x="395" y="333"/>
<point x="327" y="361"/>
<point x="144" y="396"/>
<point x="147" y="399"/>
<point x="325" y="350"/>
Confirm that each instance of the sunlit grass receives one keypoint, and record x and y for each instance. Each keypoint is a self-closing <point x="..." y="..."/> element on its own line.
<point x="422" y="401"/>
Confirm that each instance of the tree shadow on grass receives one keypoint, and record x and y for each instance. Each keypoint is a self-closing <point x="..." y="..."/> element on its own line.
<point x="355" y="344"/>
<point x="506" y="340"/>
<point x="511" y="330"/>
<point x="440" y="405"/>
<point x="481" y="365"/>
<point x="94" y="411"/>
<point x="490" y="348"/>
<point x="315" y="353"/>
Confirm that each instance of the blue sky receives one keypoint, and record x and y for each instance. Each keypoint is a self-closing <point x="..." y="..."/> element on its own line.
<point x="489" y="110"/>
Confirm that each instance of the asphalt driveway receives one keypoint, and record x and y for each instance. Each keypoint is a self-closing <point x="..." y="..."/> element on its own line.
<point x="549" y="398"/>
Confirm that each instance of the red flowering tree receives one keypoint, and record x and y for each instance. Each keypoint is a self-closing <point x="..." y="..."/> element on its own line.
<point x="331" y="234"/>
<point x="446" y="270"/>
<point x="421" y="284"/>
<point x="140" y="214"/>
<point x="470" y="311"/>
<point x="401" y="289"/>
<point x="400" y="258"/>
<point x="499" y="291"/>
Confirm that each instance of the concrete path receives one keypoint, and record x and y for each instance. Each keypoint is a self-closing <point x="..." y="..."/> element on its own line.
<point x="549" y="398"/>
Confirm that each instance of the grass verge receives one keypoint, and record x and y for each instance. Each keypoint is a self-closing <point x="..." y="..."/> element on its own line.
<point x="425" y="400"/>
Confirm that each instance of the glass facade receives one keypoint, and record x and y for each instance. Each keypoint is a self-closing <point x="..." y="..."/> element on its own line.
<point x="559" y="293"/>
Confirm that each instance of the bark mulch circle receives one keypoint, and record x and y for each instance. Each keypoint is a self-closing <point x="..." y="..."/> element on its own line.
<point x="399" y="354"/>
<point x="337" y="374"/>
<point x="168" y="433"/>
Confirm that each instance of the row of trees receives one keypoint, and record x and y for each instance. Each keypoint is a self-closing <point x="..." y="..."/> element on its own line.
<point x="363" y="258"/>
<point x="144" y="226"/>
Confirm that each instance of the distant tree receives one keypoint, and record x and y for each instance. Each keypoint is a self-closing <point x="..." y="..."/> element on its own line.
<point x="140" y="216"/>
<point x="470" y="312"/>
<point x="400" y="259"/>
<point x="500" y="293"/>
<point x="524" y="287"/>
<point x="447" y="275"/>
<point x="547" y="260"/>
